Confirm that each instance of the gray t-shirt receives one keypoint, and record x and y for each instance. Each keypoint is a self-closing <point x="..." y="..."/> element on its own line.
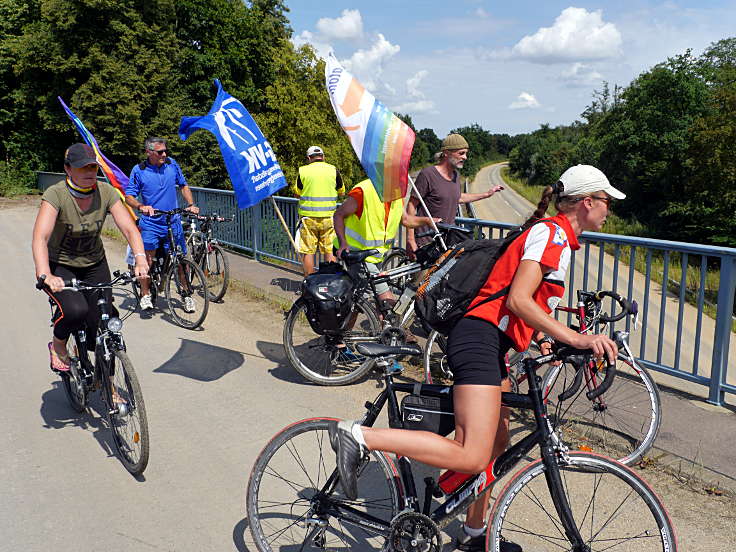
<point x="440" y="195"/>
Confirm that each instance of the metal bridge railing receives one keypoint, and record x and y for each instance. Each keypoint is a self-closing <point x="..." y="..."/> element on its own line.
<point x="676" y="337"/>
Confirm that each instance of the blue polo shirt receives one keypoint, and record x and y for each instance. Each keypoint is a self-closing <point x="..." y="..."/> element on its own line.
<point x="156" y="186"/>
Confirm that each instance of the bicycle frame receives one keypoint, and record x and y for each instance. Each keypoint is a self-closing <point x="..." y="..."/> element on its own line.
<point x="461" y="490"/>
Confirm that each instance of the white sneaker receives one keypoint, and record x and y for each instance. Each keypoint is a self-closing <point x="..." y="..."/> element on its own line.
<point x="146" y="303"/>
<point x="188" y="304"/>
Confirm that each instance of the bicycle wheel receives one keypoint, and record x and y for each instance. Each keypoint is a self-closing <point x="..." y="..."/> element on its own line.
<point x="127" y="413"/>
<point x="329" y="360"/>
<point x="434" y="359"/>
<point x="76" y="391"/>
<point x="184" y="282"/>
<point x="394" y="259"/>
<point x="622" y="423"/>
<point x="613" y="508"/>
<point x="295" y="502"/>
<point x="216" y="270"/>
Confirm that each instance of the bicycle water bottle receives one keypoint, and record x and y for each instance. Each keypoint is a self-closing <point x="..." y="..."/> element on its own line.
<point x="451" y="480"/>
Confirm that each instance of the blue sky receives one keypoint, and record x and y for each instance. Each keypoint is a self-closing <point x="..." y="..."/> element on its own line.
<point x="508" y="66"/>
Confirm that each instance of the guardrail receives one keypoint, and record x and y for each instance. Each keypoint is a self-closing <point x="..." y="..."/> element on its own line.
<point x="675" y="337"/>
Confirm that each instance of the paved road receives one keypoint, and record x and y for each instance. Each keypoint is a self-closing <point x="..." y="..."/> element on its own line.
<point x="214" y="398"/>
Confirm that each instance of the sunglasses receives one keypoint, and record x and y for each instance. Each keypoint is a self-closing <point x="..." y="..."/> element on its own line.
<point x="607" y="199"/>
<point x="160" y="152"/>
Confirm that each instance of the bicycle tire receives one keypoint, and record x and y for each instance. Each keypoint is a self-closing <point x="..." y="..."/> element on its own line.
<point x="623" y="423"/>
<point x="287" y="485"/>
<point x="317" y="359"/>
<point x="216" y="269"/>
<point x="176" y="292"/>
<point x="394" y="259"/>
<point x="434" y="359"/>
<point x="129" y="427"/>
<point x="613" y="507"/>
<point x="74" y="387"/>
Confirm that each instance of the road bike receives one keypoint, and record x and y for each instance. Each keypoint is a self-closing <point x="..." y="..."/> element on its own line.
<point x="179" y="278"/>
<point x="111" y="373"/>
<point x="331" y="358"/>
<point x="204" y="249"/>
<point x="577" y="501"/>
<point x="622" y="423"/>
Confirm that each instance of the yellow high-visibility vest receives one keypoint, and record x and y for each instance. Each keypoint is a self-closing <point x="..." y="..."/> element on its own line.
<point x="371" y="231"/>
<point x="318" y="195"/>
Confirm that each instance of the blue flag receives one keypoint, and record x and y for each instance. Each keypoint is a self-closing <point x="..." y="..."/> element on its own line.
<point x="248" y="156"/>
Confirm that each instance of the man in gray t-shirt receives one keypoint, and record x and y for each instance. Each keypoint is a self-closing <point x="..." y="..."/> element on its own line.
<point x="439" y="186"/>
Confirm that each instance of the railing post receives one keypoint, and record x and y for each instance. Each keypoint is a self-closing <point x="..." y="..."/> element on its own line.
<point x="256" y="230"/>
<point x="722" y="335"/>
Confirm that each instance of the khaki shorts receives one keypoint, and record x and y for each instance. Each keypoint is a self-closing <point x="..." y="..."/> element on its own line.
<point x="315" y="233"/>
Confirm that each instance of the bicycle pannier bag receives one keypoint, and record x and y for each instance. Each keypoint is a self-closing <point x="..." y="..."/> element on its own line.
<point x="328" y="297"/>
<point x="428" y="408"/>
<point x="451" y="284"/>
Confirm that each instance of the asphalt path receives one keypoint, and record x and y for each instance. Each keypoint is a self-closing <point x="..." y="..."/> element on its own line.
<point x="214" y="398"/>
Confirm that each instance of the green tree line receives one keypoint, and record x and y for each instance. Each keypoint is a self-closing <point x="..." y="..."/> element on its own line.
<point x="132" y="68"/>
<point x="668" y="140"/>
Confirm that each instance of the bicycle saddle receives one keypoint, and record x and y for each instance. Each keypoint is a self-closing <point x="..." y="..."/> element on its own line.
<point x="352" y="257"/>
<point x="381" y="350"/>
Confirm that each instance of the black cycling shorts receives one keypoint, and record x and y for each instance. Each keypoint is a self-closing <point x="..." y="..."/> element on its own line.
<point x="476" y="353"/>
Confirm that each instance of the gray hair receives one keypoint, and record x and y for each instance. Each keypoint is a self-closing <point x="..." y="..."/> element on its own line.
<point x="154" y="140"/>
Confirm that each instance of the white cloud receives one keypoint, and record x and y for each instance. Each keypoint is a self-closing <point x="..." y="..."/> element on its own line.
<point x="367" y="64"/>
<point x="576" y="35"/>
<point x="320" y="47"/>
<point x="348" y="26"/>
<point x="525" y="101"/>
<point x="419" y="103"/>
<point x="419" y="106"/>
<point x="412" y="84"/>
<point x="580" y="75"/>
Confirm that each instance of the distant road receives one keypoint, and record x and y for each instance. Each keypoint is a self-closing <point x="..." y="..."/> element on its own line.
<point x="503" y="206"/>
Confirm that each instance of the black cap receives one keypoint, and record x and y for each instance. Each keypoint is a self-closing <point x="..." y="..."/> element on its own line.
<point x="80" y="155"/>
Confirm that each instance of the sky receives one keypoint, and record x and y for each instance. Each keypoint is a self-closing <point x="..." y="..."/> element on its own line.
<point x="507" y="66"/>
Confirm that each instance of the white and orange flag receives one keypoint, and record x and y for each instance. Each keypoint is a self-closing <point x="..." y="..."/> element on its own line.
<point x="381" y="140"/>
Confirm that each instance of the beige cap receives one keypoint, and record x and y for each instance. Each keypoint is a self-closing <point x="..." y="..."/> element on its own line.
<point x="454" y="142"/>
<point x="586" y="179"/>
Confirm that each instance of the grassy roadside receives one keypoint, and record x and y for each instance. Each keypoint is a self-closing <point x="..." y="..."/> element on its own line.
<point x="617" y="225"/>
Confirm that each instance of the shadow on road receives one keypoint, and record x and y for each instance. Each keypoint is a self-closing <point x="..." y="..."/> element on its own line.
<point x="57" y="413"/>
<point x="239" y="532"/>
<point x="283" y="371"/>
<point x="287" y="284"/>
<point x="201" y="361"/>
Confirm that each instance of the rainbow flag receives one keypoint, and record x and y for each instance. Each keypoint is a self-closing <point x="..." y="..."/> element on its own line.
<point x="114" y="175"/>
<point x="381" y="140"/>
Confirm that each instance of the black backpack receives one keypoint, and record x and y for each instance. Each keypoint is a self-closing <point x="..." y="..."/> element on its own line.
<point x="451" y="284"/>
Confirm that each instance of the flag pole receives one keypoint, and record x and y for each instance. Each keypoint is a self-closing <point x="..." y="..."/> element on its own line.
<point x="283" y="222"/>
<point x="424" y="206"/>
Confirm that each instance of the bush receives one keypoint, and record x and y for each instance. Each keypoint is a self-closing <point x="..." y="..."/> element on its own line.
<point x="15" y="179"/>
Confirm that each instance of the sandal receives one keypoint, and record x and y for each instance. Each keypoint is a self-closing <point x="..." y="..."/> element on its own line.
<point x="56" y="363"/>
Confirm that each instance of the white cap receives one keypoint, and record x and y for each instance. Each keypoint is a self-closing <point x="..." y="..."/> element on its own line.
<point x="314" y="150"/>
<point x="586" y="179"/>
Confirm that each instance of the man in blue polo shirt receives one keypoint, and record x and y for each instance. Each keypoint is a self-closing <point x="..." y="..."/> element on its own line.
<point x="155" y="180"/>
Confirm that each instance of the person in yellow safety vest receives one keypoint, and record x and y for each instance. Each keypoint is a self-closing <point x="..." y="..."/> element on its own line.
<point x="317" y="185"/>
<point x="364" y="221"/>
